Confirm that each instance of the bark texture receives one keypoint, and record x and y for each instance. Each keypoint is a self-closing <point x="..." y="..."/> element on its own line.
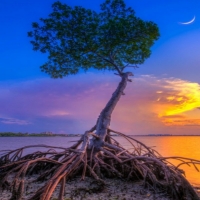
<point x="104" y="120"/>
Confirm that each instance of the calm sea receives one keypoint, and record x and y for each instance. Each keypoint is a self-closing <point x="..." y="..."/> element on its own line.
<point x="185" y="146"/>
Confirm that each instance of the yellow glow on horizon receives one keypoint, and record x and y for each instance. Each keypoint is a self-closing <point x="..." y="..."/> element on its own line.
<point x="161" y="103"/>
<point x="178" y="97"/>
<point x="181" y="122"/>
<point x="186" y="97"/>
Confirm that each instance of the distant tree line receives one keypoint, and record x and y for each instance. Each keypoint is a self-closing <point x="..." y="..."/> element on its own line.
<point x="44" y="134"/>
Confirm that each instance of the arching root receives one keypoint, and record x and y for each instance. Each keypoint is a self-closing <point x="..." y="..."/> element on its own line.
<point x="58" y="164"/>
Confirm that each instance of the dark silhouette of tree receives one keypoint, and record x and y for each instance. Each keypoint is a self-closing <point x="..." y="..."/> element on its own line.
<point x="80" y="39"/>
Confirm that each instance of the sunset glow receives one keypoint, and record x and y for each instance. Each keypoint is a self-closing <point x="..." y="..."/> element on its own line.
<point x="178" y="98"/>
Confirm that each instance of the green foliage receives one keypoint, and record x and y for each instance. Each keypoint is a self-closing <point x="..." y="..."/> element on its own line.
<point x="78" y="38"/>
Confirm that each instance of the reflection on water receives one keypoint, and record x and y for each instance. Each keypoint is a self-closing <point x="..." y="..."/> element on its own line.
<point x="187" y="146"/>
<point x="183" y="146"/>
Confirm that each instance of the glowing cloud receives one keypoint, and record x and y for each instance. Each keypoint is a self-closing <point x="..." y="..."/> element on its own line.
<point x="180" y="96"/>
<point x="181" y="121"/>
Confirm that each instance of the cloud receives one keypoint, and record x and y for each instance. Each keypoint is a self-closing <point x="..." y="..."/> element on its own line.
<point x="179" y="120"/>
<point x="78" y="100"/>
<point x="14" y="121"/>
<point x="48" y="97"/>
<point x="72" y="105"/>
<point x="174" y="117"/>
<point x="178" y="97"/>
<point x="161" y="102"/>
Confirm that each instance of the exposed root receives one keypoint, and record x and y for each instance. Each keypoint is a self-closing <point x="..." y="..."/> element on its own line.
<point x="57" y="165"/>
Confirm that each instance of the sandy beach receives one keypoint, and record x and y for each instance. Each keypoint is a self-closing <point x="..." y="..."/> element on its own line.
<point x="76" y="189"/>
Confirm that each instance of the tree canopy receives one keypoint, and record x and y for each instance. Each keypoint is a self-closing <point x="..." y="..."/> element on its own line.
<point x="78" y="38"/>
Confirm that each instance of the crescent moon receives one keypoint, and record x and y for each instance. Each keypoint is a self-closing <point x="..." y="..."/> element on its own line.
<point x="191" y="21"/>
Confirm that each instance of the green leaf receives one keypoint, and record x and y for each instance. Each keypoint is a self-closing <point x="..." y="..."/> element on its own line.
<point x="78" y="38"/>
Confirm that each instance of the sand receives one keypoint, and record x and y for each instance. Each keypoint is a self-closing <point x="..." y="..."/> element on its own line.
<point x="86" y="190"/>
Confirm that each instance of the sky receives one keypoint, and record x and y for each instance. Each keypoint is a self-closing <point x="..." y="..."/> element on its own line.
<point x="164" y="97"/>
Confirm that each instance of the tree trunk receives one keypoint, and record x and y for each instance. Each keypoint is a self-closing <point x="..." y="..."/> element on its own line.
<point x="104" y="119"/>
<point x="99" y="157"/>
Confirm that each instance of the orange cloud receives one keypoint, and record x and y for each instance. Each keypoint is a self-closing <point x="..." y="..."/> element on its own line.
<point x="181" y="122"/>
<point x="178" y="97"/>
<point x="183" y="96"/>
<point x="160" y="103"/>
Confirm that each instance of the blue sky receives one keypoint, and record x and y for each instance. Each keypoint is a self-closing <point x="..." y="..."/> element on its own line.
<point x="167" y="84"/>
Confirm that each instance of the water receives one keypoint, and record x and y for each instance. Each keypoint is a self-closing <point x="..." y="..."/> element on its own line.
<point x="184" y="146"/>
